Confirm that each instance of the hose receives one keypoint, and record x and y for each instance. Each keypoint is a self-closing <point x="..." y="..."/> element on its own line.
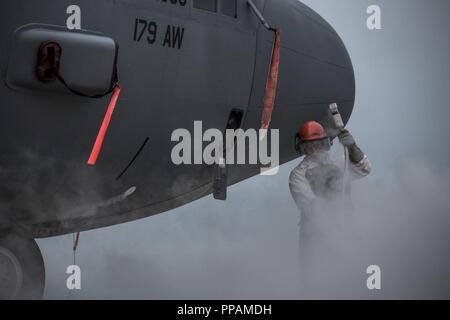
<point x="346" y="194"/>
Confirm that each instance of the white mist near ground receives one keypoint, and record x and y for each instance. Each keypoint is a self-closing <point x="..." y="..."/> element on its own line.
<point x="246" y="247"/>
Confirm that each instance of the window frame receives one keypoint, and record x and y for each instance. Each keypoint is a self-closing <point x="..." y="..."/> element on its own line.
<point x="219" y="9"/>
<point x="226" y="15"/>
<point x="205" y="10"/>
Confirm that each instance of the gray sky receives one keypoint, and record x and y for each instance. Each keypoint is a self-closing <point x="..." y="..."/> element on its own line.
<point x="246" y="247"/>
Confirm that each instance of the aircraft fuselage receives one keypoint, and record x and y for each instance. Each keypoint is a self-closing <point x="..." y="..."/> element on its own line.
<point x="177" y="64"/>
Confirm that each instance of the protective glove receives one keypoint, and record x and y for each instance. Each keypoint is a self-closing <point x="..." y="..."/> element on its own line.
<point x="346" y="139"/>
<point x="355" y="153"/>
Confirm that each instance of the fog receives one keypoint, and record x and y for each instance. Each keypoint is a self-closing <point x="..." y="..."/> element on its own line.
<point x="246" y="247"/>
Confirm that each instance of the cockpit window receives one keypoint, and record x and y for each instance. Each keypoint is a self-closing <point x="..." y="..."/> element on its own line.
<point x="228" y="7"/>
<point x="208" y="5"/>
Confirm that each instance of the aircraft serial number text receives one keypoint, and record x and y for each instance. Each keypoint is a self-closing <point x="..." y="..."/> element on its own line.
<point x="147" y="31"/>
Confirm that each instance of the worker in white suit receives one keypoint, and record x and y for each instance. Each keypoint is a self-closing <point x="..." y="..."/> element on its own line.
<point x="317" y="187"/>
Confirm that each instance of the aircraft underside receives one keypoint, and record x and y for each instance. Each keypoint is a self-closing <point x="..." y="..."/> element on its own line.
<point x="176" y="64"/>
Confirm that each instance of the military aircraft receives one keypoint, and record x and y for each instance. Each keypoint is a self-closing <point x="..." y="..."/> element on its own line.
<point x="177" y="61"/>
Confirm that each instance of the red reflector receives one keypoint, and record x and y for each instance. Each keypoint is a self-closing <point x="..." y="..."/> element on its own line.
<point x="104" y="128"/>
<point x="272" y="82"/>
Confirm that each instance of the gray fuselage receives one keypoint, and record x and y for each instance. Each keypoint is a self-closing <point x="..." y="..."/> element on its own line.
<point x="216" y="64"/>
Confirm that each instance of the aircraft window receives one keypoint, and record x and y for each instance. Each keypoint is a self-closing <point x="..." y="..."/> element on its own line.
<point x="228" y="7"/>
<point x="208" y="5"/>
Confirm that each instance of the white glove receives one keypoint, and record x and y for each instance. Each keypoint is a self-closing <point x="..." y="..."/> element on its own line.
<point x="346" y="139"/>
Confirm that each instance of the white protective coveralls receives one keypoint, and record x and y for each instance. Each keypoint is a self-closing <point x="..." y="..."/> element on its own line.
<point x="301" y="185"/>
<point x="327" y="238"/>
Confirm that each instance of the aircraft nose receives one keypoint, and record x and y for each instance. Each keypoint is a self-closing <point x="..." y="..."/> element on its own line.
<point x="316" y="67"/>
<point x="315" y="70"/>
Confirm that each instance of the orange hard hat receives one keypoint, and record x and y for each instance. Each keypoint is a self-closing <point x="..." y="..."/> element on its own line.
<point x="311" y="131"/>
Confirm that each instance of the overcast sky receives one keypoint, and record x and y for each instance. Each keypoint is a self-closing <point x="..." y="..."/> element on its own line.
<point x="246" y="247"/>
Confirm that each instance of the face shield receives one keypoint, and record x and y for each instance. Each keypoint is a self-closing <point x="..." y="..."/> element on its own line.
<point x="311" y="147"/>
